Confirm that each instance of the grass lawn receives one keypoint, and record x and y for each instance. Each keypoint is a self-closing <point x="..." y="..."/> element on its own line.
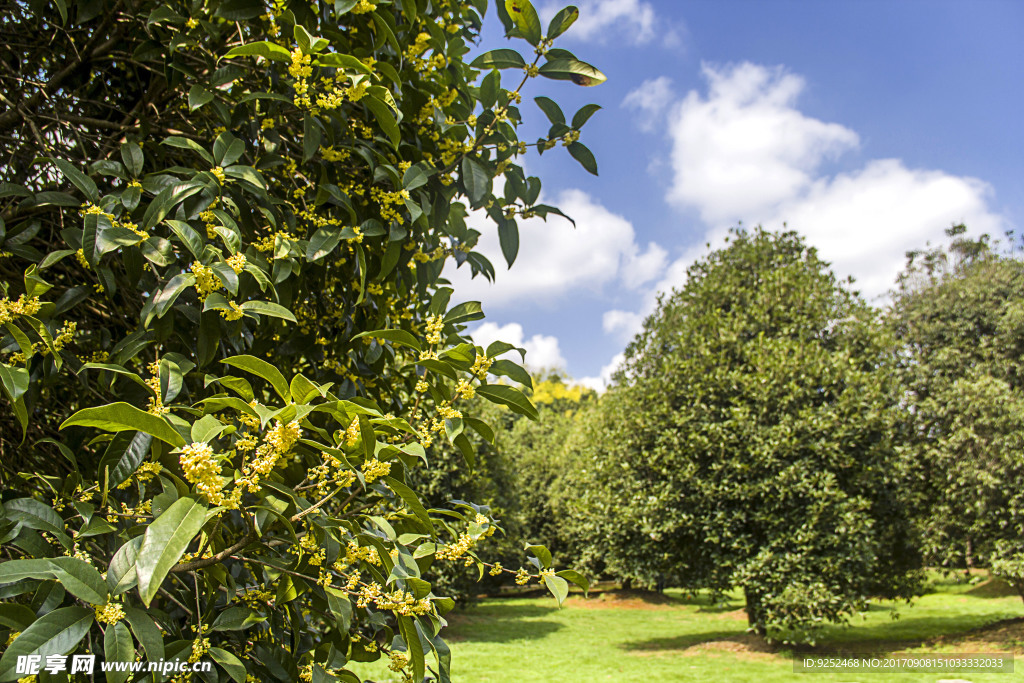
<point x="634" y="636"/>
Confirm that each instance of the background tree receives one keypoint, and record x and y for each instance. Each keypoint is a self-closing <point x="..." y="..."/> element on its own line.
<point x="226" y="339"/>
<point x="747" y="442"/>
<point x="959" y="317"/>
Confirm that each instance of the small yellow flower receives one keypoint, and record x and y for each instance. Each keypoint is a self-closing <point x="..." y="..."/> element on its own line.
<point x="191" y="23"/>
<point x="218" y="173"/>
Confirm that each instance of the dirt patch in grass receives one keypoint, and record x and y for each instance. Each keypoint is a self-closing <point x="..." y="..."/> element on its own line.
<point x="992" y="588"/>
<point x="623" y="599"/>
<point x="742" y="646"/>
<point x="1005" y="636"/>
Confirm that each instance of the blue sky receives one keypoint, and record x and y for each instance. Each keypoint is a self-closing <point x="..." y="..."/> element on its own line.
<point x="869" y="126"/>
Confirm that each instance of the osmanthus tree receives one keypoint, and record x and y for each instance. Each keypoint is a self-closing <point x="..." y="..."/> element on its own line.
<point x="958" y="315"/>
<point x="227" y="340"/>
<point x="747" y="443"/>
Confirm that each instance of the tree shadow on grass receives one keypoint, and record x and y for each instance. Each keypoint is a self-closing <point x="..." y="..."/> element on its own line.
<point x="502" y="624"/>
<point x="875" y="639"/>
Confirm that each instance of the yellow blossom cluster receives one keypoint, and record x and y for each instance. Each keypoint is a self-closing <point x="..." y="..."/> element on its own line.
<point x="480" y="366"/>
<point x="110" y="613"/>
<point x="156" y="401"/>
<point x="11" y="310"/>
<point x="454" y="551"/>
<point x="218" y="173"/>
<point x="355" y="553"/>
<point x="389" y="203"/>
<point x="200" y="646"/>
<point x="465" y="389"/>
<point x="277" y="442"/>
<point x="522" y="577"/>
<point x="399" y="660"/>
<point x="570" y="137"/>
<point x="234" y="313"/>
<point x="333" y="155"/>
<point x="206" y="281"/>
<point x="352" y="432"/>
<point x="435" y="324"/>
<point x="237" y="262"/>
<point x="301" y="70"/>
<point x="65" y="335"/>
<point x="374" y="469"/>
<point x="209" y="219"/>
<point x="363" y="7"/>
<point x="254" y="597"/>
<point x="332" y="472"/>
<point x="202" y="470"/>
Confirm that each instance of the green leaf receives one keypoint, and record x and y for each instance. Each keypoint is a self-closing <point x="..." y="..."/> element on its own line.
<point x="561" y="22"/>
<point x="55" y="633"/>
<point x="263" y="48"/>
<point x="323" y="242"/>
<point x="133" y="450"/>
<point x="165" y="541"/>
<point x="574" y="70"/>
<point x="146" y="632"/>
<point x="118" y="647"/>
<point x="476" y="180"/>
<point x="340" y="61"/>
<point x="168" y="198"/>
<point x="513" y="371"/>
<point x="14" y="381"/>
<point x="121" y="575"/>
<point x="550" y="109"/>
<point x="525" y="18"/>
<point x="35" y="515"/>
<point x="396" y="337"/>
<point x="583" y="115"/>
<point x="188" y="236"/>
<point x="575" y="577"/>
<point x="206" y="429"/>
<point x="268" y="308"/>
<point x="502" y="58"/>
<point x="237" y="619"/>
<point x="508" y="236"/>
<point x="385" y="119"/>
<point x="465" y="312"/>
<point x="83" y="182"/>
<point x="121" y="417"/>
<point x="541" y="553"/>
<point x="133" y="158"/>
<point x="508" y="396"/>
<point x="412" y="500"/>
<point x="582" y="154"/>
<point x="229" y="662"/>
<point x="188" y="143"/>
<point x="261" y="368"/>
<point x="19" y="570"/>
<point x="198" y="96"/>
<point x="80" y="579"/>
<point x="558" y="586"/>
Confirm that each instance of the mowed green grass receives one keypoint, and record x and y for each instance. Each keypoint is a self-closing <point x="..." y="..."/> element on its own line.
<point x="650" y="638"/>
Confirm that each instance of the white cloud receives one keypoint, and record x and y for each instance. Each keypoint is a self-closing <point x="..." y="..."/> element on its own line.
<point x="542" y="351"/>
<point x="601" y="382"/>
<point x="745" y="152"/>
<point x="555" y="259"/>
<point x="651" y="99"/>
<point x="620" y="20"/>
<point x="744" y="148"/>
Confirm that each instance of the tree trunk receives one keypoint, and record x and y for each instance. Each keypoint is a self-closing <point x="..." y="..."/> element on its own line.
<point x="627" y="584"/>
<point x="755" y="615"/>
<point x="969" y="558"/>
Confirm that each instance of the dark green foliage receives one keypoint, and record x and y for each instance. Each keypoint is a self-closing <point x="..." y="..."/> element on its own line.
<point x="748" y="445"/>
<point x="959" y="318"/>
